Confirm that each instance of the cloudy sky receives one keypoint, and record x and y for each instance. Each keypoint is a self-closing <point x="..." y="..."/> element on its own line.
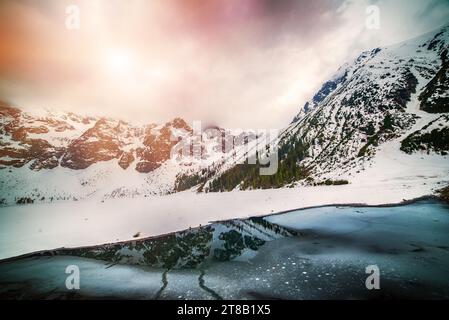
<point x="234" y="63"/>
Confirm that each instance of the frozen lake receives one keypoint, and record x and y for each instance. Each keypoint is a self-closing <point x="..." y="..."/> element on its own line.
<point x="318" y="253"/>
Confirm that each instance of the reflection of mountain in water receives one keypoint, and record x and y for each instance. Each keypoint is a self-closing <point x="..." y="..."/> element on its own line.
<point x="220" y="241"/>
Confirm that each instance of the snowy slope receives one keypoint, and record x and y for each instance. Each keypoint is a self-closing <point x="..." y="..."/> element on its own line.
<point x="377" y="105"/>
<point x="384" y="112"/>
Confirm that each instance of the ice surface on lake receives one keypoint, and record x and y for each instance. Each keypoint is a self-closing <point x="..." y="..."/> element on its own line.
<point x="45" y="277"/>
<point x="327" y="259"/>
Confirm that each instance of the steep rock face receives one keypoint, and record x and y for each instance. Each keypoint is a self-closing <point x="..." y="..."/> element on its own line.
<point x="10" y="118"/>
<point x="326" y="89"/>
<point x="435" y="97"/>
<point x="42" y="154"/>
<point x="433" y="137"/>
<point x="100" y="143"/>
<point x="157" y="147"/>
<point x="126" y="159"/>
<point x="19" y="148"/>
<point x="180" y="124"/>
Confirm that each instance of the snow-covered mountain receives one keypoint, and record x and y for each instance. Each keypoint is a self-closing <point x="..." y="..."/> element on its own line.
<point x="47" y="156"/>
<point x="381" y="96"/>
<point x="389" y="103"/>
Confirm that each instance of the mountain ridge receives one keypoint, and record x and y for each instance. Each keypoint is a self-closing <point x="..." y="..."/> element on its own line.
<point x="378" y="98"/>
<point x="80" y="150"/>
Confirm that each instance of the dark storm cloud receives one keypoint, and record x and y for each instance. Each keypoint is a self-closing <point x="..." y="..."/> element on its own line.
<point x="262" y="21"/>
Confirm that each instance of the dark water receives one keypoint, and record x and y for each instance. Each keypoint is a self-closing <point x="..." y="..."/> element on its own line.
<point x="319" y="253"/>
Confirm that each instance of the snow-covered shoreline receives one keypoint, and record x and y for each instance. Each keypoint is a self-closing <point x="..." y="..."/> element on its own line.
<point x="31" y="228"/>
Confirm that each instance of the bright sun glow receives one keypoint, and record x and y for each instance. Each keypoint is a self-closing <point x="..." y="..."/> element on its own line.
<point x="120" y="60"/>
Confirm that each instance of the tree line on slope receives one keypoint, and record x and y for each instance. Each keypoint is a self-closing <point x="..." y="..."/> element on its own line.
<point x="247" y="176"/>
